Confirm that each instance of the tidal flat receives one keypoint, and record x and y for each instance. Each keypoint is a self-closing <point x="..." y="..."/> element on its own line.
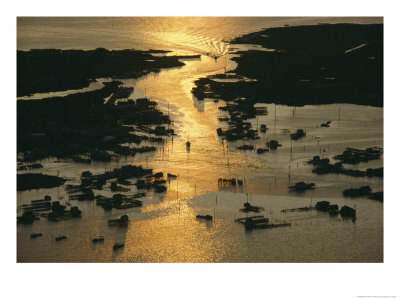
<point x="150" y="134"/>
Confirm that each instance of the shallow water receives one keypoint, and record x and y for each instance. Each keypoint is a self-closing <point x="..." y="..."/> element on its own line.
<point x="165" y="228"/>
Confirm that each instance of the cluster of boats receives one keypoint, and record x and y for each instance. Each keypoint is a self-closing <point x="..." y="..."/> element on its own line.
<point x="53" y="211"/>
<point x="119" y="201"/>
<point x="326" y="206"/>
<point x="355" y="156"/>
<point x="323" y="166"/>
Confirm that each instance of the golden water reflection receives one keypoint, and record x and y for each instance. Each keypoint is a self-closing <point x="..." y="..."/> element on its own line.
<point x="177" y="237"/>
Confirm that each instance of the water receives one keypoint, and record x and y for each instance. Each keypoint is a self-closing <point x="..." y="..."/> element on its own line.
<point x="165" y="228"/>
<point x="195" y="34"/>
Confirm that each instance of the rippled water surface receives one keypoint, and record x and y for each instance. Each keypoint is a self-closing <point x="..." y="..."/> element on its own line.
<point x="165" y="228"/>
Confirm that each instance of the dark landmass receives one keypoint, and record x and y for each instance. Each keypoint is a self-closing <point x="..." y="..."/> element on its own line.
<point x="48" y="70"/>
<point x="319" y="64"/>
<point x="37" y="181"/>
<point x="85" y="124"/>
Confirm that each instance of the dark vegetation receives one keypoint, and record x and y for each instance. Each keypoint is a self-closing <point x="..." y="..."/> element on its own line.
<point x="311" y="65"/>
<point x="46" y="70"/>
<point x="98" y="125"/>
<point x="82" y="124"/>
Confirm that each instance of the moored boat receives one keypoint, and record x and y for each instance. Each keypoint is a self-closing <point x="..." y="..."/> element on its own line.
<point x="206" y="217"/>
<point x="35" y="235"/>
<point x="98" y="239"/>
<point x="118" y="246"/>
<point x="248" y="207"/>
<point x="122" y="221"/>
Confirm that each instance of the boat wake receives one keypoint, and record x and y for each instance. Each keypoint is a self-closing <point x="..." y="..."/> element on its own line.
<point x="193" y="43"/>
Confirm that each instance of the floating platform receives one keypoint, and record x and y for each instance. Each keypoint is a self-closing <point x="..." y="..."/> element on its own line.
<point x="260" y="222"/>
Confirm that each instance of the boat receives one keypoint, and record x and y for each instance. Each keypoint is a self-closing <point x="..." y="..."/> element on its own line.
<point x="253" y="219"/>
<point x="246" y="147"/>
<point x="262" y="150"/>
<point x="98" y="239"/>
<point x="362" y="191"/>
<point x="263" y="128"/>
<point x="59" y="238"/>
<point x="256" y="222"/>
<point x="116" y="188"/>
<point x="323" y="205"/>
<point x="229" y="182"/>
<point x="299" y="134"/>
<point x="265" y="225"/>
<point x="248" y="207"/>
<point x="122" y="221"/>
<point x="273" y="144"/>
<point x="206" y="217"/>
<point x="35" y="235"/>
<point x="118" y="245"/>
<point x="302" y="186"/>
<point x="27" y="218"/>
<point x="171" y="176"/>
<point x="347" y="211"/>
<point x="107" y="204"/>
<point x="132" y="203"/>
<point x="334" y="209"/>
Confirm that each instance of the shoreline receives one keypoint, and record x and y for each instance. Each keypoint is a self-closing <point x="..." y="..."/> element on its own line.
<point x="55" y="70"/>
